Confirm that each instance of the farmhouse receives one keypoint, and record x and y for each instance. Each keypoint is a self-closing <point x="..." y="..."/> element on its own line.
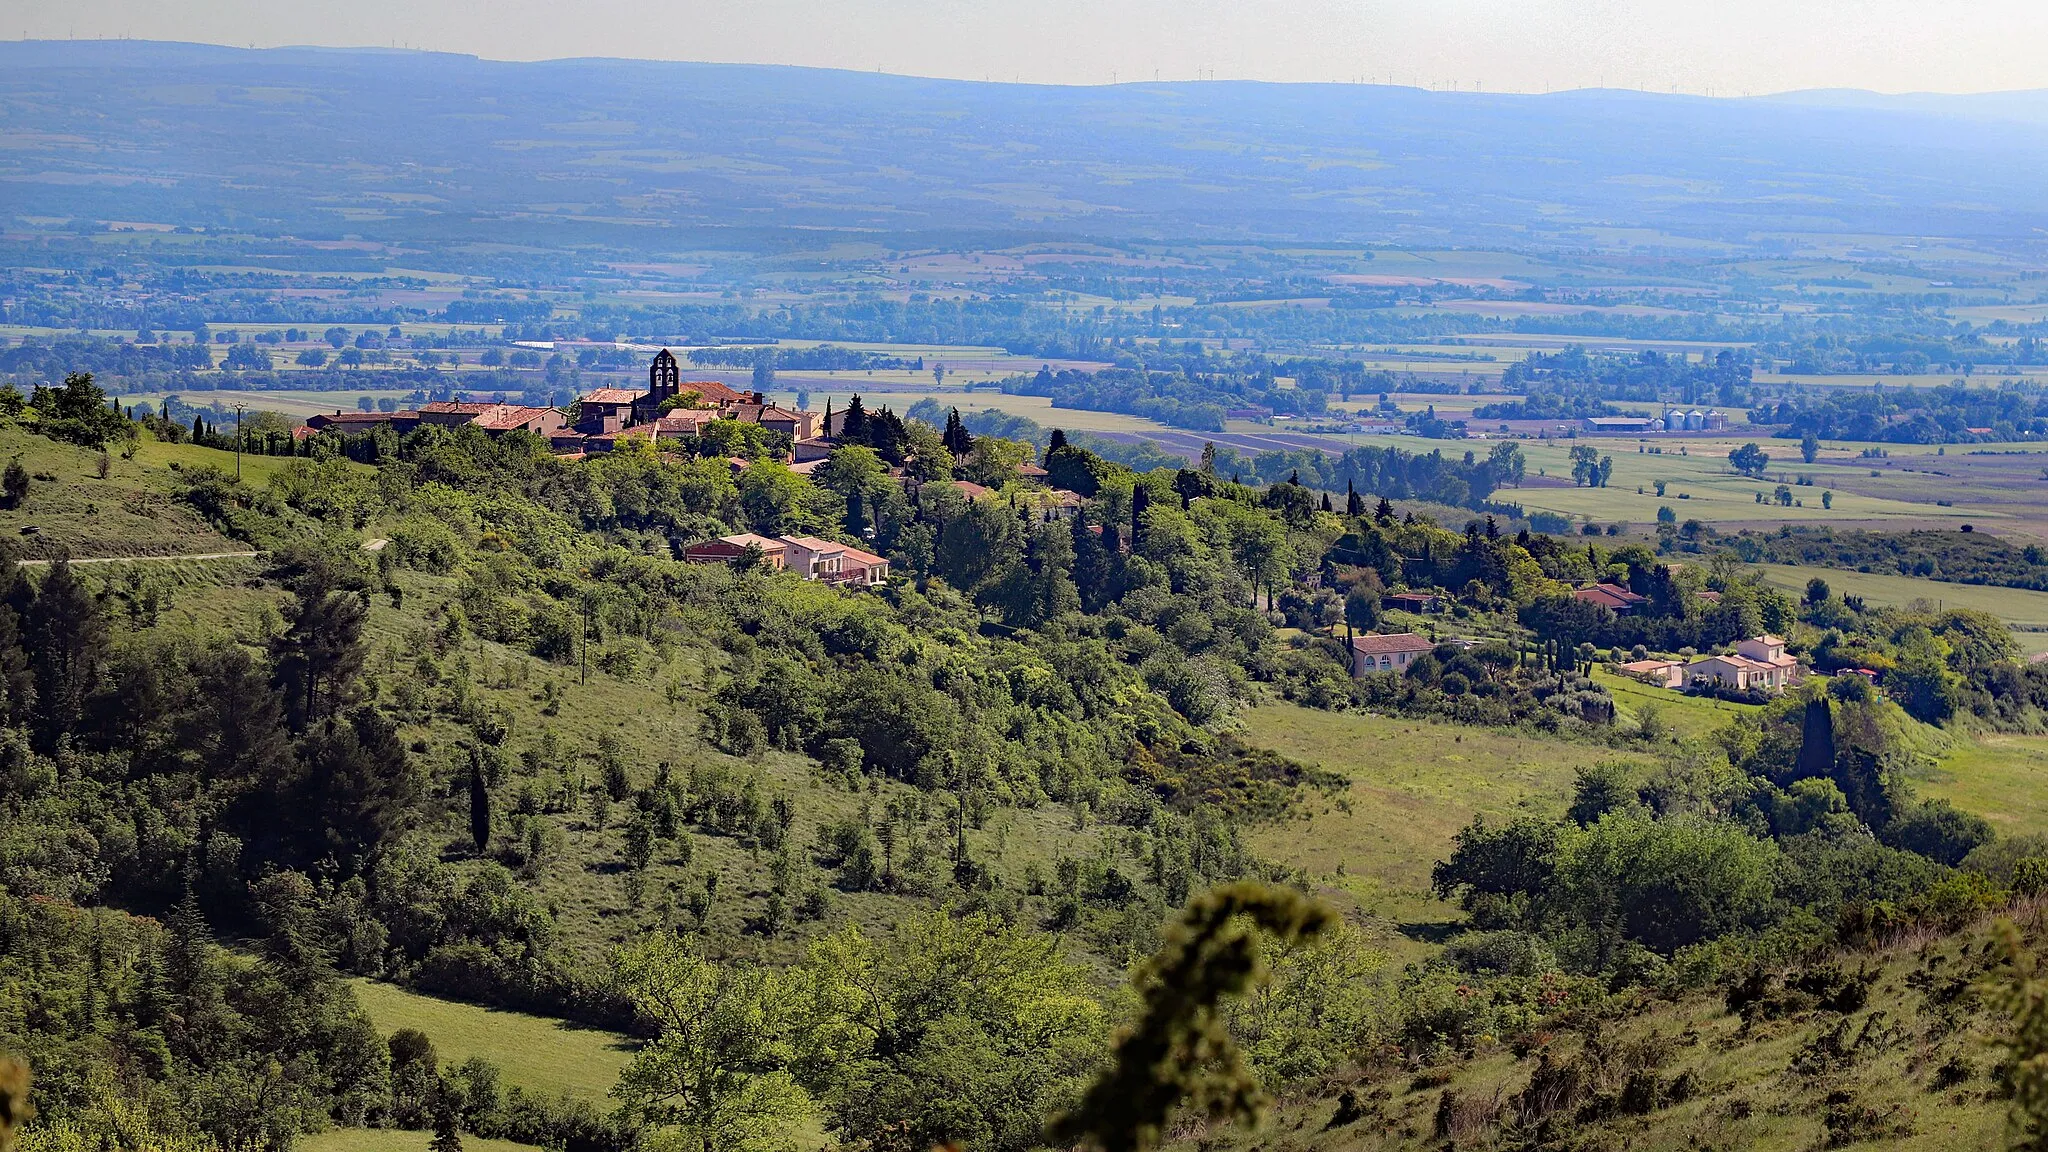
<point x="1377" y="652"/>
<point x="815" y="559"/>
<point x="1757" y="663"/>
<point x="1620" y="600"/>
<point x="862" y="568"/>
<point x="726" y="549"/>
<point x="1418" y="602"/>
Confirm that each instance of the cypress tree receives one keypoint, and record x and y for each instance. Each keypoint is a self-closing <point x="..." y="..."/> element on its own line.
<point x="1353" y="506"/>
<point x="479" y="804"/>
<point x="855" y="422"/>
<point x="1816" y="740"/>
<point x="957" y="440"/>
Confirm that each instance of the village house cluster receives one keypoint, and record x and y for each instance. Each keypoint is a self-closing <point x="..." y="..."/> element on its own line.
<point x="1759" y="663"/>
<point x="670" y="409"/>
<point x="674" y="409"/>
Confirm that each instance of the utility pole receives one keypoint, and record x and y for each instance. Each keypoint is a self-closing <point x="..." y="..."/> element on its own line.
<point x="238" y="443"/>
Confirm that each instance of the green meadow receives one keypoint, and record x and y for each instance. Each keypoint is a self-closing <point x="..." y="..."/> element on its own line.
<point x="1413" y="784"/>
<point x="540" y="1055"/>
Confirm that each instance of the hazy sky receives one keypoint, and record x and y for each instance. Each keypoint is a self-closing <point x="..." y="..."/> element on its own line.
<point x="1723" y="46"/>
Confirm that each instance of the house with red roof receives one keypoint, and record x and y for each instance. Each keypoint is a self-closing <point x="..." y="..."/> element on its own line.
<point x="1615" y="597"/>
<point x="726" y="549"/>
<point x="1381" y="652"/>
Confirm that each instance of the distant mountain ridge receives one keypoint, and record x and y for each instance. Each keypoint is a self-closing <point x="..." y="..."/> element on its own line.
<point x="657" y="156"/>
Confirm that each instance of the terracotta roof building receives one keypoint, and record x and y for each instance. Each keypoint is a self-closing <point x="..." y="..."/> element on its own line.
<point x="1612" y="596"/>
<point x="1378" y="652"/>
<point x="862" y="568"/>
<point x="726" y="549"/>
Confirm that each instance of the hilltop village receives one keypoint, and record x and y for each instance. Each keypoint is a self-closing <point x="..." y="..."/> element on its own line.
<point x="672" y="413"/>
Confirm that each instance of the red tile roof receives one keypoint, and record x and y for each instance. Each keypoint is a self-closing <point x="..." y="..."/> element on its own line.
<point x="465" y="407"/>
<point x="711" y="391"/>
<point x="611" y="396"/>
<point x="813" y="544"/>
<point x="1609" y="596"/>
<point x="510" y="416"/>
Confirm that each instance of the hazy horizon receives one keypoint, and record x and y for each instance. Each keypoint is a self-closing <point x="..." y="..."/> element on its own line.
<point x="1732" y="48"/>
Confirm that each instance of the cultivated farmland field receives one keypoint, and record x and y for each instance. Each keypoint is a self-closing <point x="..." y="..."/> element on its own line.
<point x="297" y="404"/>
<point x="1036" y="408"/>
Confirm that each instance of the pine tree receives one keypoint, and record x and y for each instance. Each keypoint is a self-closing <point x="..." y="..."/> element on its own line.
<point x="321" y="650"/>
<point x="1385" y="512"/>
<point x="67" y="642"/>
<point x="479" y="803"/>
<point x="447" y="1126"/>
<point x="1056" y="442"/>
<point x="14" y="484"/>
<point x="1209" y="458"/>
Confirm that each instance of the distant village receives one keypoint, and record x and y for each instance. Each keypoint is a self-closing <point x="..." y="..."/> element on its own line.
<point x="672" y="410"/>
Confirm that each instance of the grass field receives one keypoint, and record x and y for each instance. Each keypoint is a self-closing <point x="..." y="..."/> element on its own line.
<point x="535" y="1053"/>
<point x="2025" y="610"/>
<point x="1414" y="783"/>
<point x="2000" y="777"/>
<point x="1688" y="717"/>
<point x="131" y="512"/>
